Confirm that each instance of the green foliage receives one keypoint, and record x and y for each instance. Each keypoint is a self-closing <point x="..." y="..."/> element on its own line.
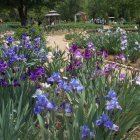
<point x="69" y="36"/>
<point x="111" y="42"/>
<point x="32" y="31"/>
<point x="72" y="25"/>
<point x="68" y="8"/>
<point x="9" y="26"/>
<point x="17" y="120"/>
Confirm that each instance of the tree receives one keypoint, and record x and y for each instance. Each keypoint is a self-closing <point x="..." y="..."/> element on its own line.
<point x="68" y="8"/>
<point x="24" y="5"/>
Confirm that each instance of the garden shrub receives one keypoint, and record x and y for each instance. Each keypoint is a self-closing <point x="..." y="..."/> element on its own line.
<point x="69" y="26"/>
<point x="33" y="32"/>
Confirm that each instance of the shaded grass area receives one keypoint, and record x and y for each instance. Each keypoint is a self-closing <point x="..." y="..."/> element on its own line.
<point x="8" y="26"/>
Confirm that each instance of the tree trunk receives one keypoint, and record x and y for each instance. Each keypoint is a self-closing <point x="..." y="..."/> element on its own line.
<point x="22" y="10"/>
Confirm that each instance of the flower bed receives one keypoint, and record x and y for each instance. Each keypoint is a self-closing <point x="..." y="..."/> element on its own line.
<point x="44" y="96"/>
<point x="120" y="41"/>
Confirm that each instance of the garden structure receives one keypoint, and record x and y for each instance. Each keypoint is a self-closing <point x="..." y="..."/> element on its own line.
<point x="52" y="18"/>
<point x="80" y="16"/>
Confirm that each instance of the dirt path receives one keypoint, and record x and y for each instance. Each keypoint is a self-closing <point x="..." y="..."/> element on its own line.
<point x="57" y="41"/>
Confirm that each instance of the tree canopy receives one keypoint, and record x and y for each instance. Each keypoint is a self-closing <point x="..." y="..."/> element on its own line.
<point x="128" y="9"/>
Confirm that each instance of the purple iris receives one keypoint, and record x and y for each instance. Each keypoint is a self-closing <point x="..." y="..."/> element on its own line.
<point x="85" y="132"/>
<point x="64" y="86"/>
<point x="75" y="85"/>
<point x="122" y="77"/>
<point x="50" y="105"/>
<point x="68" y="108"/>
<point x="38" y="109"/>
<point x="74" y="65"/>
<point x="36" y="73"/>
<point x="88" y="53"/>
<point x="37" y="41"/>
<point x="54" y="78"/>
<point x="106" y="121"/>
<point x="3" y="83"/>
<point x="3" y="66"/>
<point x="92" y="135"/>
<point x="16" y="83"/>
<point x="113" y="103"/>
<point x="109" y="68"/>
<point x="124" y="41"/>
<point x="73" y="48"/>
<point x="10" y="40"/>
<point x="22" y="58"/>
<point x="43" y="103"/>
<point x="78" y="54"/>
<point x="120" y="57"/>
<point x="29" y="46"/>
<point x="111" y="94"/>
<point x="91" y="45"/>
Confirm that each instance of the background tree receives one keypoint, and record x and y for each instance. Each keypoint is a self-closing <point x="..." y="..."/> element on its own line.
<point x="68" y="8"/>
<point x="24" y="5"/>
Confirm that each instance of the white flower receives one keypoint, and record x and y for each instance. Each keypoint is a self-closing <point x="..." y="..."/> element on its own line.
<point x="17" y="42"/>
<point x="42" y="50"/>
<point x="115" y="127"/>
<point x="66" y="78"/>
<point x="136" y="43"/>
<point x="45" y="85"/>
<point x="50" y="56"/>
<point x="135" y="27"/>
<point x="38" y="92"/>
<point x="138" y="80"/>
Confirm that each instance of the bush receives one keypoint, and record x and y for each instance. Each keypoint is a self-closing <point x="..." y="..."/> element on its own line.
<point x="33" y="32"/>
<point x="69" y="36"/>
<point x="9" y="26"/>
<point x="72" y="25"/>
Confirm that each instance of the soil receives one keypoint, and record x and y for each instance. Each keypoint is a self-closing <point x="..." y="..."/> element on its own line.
<point x="55" y="41"/>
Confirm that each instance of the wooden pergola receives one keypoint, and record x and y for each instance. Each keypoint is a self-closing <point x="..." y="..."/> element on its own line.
<point x="52" y="18"/>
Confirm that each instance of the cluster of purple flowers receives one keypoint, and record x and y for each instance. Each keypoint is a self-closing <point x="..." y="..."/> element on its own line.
<point x="87" y="133"/>
<point x="3" y="66"/>
<point x="66" y="107"/>
<point x="103" y="53"/>
<point x="113" y="103"/>
<point x="36" y="73"/>
<point x="107" y="122"/>
<point x="86" y="54"/>
<point x="108" y="68"/>
<point x="120" y="57"/>
<point x="72" y="85"/>
<point x="12" y="55"/>
<point x="3" y="83"/>
<point x="77" y="55"/>
<point x="42" y="103"/>
<point x="14" y="83"/>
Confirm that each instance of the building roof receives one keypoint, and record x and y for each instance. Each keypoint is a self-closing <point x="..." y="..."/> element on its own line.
<point x="80" y="13"/>
<point x="52" y="13"/>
